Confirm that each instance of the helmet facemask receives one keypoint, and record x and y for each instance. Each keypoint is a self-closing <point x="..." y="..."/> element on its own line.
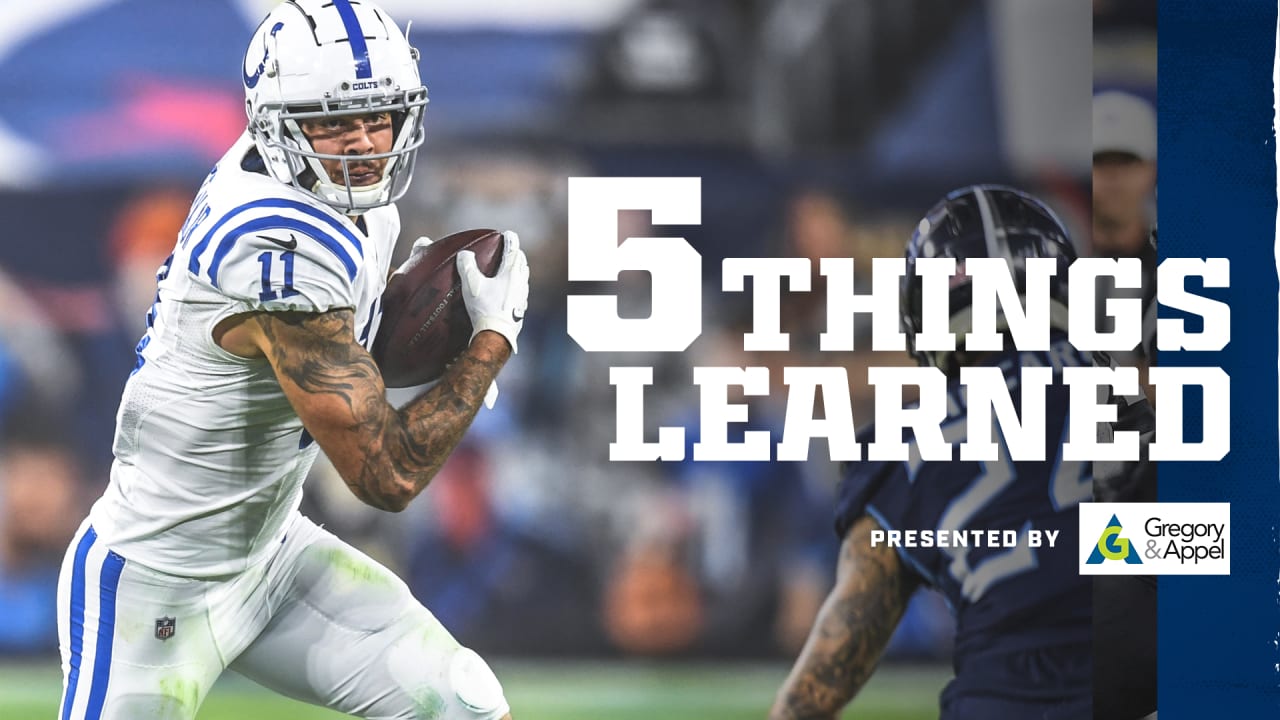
<point x="319" y="60"/>
<point x="293" y="160"/>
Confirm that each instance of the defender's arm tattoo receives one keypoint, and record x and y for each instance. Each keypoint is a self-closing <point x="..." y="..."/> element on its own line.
<point x="851" y="630"/>
<point x="386" y="456"/>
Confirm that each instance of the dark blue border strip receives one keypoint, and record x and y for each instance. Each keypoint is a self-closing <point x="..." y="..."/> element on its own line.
<point x="1219" y="646"/>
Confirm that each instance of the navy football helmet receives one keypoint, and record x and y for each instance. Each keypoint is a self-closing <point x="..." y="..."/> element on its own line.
<point x="982" y="221"/>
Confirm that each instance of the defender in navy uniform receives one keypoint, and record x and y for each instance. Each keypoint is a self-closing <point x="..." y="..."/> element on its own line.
<point x="1023" y="614"/>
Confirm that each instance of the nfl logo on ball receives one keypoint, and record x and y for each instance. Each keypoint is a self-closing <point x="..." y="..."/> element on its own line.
<point x="165" y="627"/>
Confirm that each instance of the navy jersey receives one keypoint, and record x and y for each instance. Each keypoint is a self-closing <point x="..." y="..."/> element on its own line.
<point x="1005" y="600"/>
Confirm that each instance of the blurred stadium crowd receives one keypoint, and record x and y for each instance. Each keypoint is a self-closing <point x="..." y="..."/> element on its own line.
<point x="820" y="129"/>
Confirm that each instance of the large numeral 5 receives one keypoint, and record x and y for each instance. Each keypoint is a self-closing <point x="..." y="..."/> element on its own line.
<point x="674" y="266"/>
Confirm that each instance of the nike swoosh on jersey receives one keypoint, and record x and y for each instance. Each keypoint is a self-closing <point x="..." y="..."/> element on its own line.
<point x="290" y="244"/>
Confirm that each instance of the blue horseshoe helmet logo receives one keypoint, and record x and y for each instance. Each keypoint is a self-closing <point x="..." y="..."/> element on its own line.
<point x="251" y="81"/>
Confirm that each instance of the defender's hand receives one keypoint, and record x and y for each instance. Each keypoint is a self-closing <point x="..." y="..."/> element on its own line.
<point x="497" y="303"/>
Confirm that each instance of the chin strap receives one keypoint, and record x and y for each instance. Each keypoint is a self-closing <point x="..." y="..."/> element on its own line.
<point x="335" y="194"/>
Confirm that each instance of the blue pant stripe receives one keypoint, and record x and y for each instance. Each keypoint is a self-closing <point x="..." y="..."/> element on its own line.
<point x="111" y="569"/>
<point x="77" y="620"/>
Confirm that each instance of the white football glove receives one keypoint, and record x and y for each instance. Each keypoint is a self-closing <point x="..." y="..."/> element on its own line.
<point x="418" y="246"/>
<point x="497" y="303"/>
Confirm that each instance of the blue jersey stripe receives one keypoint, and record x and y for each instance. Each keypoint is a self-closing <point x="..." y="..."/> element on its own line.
<point x="276" y="222"/>
<point x="359" y="48"/>
<point x="108" y="584"/>
<point x="77" y="620"/>
<point x="194" y="264"/>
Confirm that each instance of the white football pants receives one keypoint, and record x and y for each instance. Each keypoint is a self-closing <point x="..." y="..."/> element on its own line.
<point x="319" y="621"/>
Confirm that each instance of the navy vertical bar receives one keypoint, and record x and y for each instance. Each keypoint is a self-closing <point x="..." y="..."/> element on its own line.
<point x="109" y="582"/>
<point x="77" y="620"/>
<point x="1219" y="646"/>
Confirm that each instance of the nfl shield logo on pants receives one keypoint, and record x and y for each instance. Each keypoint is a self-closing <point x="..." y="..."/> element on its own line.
<point x="165" y="628"/>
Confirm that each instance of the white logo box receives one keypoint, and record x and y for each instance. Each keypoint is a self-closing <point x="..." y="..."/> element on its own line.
<point x="1150" y="527"/>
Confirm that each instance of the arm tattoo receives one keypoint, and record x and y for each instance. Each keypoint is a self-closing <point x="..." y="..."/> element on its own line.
<point x="851" y="631"/>
<point x="389" y="455"/>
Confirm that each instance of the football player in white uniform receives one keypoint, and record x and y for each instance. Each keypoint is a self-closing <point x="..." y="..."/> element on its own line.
<point x="196" y="558"/>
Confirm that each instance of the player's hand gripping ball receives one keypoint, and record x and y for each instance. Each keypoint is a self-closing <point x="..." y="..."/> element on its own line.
<point x="425" y="323"/>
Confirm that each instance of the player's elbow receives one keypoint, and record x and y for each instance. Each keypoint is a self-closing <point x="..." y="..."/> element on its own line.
<point x="388" y="504"/>
<point x="395" y="496"/>
<point x="392" y="495"/>
<point x="391" y="471"/>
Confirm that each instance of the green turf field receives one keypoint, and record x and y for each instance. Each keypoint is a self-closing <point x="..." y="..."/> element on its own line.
<point x="551" y="691"/>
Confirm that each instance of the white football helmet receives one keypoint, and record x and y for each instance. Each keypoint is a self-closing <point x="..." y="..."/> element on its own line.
<point x="312" y="59"/>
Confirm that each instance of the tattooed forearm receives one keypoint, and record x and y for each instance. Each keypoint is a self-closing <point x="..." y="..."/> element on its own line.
<point x="434" y="423"/>
<point x="851" y="631"/>
<point x="386" y="456"/>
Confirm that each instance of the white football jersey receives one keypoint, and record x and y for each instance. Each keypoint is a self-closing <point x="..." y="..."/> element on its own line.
<point x="209" y="455"/>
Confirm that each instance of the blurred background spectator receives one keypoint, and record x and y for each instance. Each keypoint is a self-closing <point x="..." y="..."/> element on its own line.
<point x="1124" y="173"/>
<point x="819" y="128"/>
<point x="39" y="511"/>
<point x="1124" y="197"/>
<point x="1124" y="156"/>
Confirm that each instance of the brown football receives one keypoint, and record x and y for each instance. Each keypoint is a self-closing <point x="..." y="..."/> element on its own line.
<point x="424" y="321"/>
